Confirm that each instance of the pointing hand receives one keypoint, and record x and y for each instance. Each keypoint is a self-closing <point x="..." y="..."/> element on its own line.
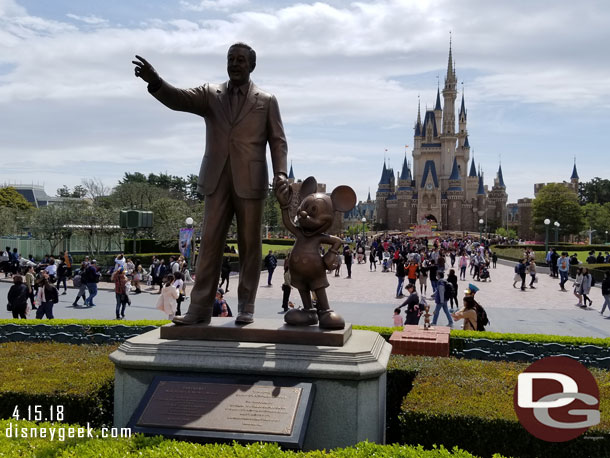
<point x="145" y="71"/>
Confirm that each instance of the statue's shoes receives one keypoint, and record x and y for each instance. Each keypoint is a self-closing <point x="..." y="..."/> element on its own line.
<point x="244" y="318"/>
<point x="301" y="317"/>
<point x="189" y="318"/>
<point x="330" y="320"/>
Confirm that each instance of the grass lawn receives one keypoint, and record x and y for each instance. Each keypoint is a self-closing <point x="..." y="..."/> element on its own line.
<point x="269" y="246"/>
<point x="541" y="254"/>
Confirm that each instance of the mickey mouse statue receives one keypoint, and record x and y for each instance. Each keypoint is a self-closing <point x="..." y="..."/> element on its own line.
<point x="315" y="215"/>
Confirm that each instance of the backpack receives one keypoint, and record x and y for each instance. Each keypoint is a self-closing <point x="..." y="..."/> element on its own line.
<point x="482" y="319"/>
<point x="448" y="291"/>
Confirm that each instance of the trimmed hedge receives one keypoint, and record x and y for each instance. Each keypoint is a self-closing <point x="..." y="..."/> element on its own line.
<point x="385" y="332"/>
<point x="537" y="338"/>
<point x="469" y="403"/>
<point x="93" y="323"/>
<point x="158" y="447"/>
<point x="80" y="378"/>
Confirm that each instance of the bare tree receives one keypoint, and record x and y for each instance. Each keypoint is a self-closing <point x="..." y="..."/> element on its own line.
<point x="95" y="188"/>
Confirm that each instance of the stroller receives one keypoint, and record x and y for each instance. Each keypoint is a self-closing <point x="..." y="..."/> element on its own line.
<point x="385" y="263"/>
<point x="484" y="274"/>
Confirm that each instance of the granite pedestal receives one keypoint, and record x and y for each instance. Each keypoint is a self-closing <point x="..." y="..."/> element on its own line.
<point x="350" y="380"/>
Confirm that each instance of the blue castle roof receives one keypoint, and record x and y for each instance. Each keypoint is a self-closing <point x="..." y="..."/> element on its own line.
<point x="501" y="178"/>
<point x="429" y="171"/>
<point x="455" y="170"/>
<point x="473" y="169"/>
<point x="429" y="119"/>
<point x="437" y="106"/>
<point x="481" y="190"/>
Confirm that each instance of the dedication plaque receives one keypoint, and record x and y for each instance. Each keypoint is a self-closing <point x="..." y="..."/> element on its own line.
<point x="232" y="409"/>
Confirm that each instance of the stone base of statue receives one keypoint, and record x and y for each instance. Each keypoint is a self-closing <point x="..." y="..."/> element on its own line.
<point x="347" y="384"/>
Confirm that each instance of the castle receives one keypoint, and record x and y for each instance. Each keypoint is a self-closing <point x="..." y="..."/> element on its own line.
<point x="438" y="187"/>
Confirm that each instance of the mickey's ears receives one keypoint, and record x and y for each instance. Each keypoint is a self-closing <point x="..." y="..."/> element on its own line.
<point x="344" y="198"/>
<point x="309" y="186"/>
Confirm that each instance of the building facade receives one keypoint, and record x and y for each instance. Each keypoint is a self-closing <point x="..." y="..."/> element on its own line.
<point x="438" y="185"/>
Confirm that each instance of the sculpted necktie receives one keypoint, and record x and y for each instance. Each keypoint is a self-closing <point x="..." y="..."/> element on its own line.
<point x="235" y="99"/>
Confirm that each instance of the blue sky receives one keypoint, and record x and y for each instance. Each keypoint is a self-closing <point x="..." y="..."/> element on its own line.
<point x="347" y="76"/>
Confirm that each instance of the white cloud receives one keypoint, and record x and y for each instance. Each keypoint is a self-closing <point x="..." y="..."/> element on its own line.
<point x="214" y="5"/>
<point x="354" y="69"/>
<point x="91" y="19"/>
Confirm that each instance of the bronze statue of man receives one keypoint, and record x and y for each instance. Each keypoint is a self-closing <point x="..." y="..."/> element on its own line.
<point x="241" y="119"/>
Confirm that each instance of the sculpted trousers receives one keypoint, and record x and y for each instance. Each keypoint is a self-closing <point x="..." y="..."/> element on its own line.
<point x="218" y="214"/>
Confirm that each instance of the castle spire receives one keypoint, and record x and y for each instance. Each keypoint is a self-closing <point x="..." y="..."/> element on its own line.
<point x="291" y="174"/>
<point x="574" y="172"/>
<point x="501" y="178"/>
<point x="450" y="70"/>
<point x="481" y="190"/>
<point x="473" y="168"/>
<point x="418" y="129"/>
<point x="455" y="170"/>
<point x="462" y="108"/>
<point x="438" y="99"/>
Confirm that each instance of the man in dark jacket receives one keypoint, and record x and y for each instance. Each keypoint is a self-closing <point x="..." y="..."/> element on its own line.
<point x="270" y="264"/>
<point x="18" y="297"/>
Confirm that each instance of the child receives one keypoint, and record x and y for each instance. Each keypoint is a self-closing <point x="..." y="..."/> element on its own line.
<point x="397" y="318"/>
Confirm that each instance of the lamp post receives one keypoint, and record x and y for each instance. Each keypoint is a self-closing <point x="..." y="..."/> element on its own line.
<point x="364" y="222"/>
<point x="606" y="237"/>
<point x="556" y="224"/>
<point x="189" y="224"/>
<point x="546" y="236"/>
<point x="481" y="229"/>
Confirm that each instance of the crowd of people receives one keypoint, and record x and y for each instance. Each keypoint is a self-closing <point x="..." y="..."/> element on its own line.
<point x="431" y="266"/>
<point x="425" y="271"/>
<point x="36" y="284"/>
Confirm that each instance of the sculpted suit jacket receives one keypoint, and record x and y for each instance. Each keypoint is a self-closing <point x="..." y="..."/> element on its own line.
<point x="243" y="139"/>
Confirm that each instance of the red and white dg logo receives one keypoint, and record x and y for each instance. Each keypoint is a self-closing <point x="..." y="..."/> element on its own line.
<point x="557" y="399"/>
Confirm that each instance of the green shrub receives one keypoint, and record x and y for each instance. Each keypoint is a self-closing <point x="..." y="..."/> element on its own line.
<point x="92" y="323"/>
<point x="535" y="338"/>
<point x="151" y="246"/>
<point x="158" y="447"/>
<point x="469" y="403"/>
<point x="78" y="377"/>
<point x="385" y="332"/>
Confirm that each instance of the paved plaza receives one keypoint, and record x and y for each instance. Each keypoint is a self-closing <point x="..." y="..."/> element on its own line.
<point x="368" y="298"/>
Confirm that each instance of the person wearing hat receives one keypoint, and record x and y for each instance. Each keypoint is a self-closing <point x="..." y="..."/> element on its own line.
<point x="472" y="290"/>
<point x="221" y="308"/>
<point x="412" y="304"/>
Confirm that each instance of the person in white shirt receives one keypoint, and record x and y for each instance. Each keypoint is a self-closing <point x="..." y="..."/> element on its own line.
<point x="119" y="262"/>
<point x="51" y="269"/>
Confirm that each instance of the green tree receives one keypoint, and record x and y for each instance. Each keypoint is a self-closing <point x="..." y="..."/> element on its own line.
<point x="557" y="203"/>
<point x="9" y="197"/>
<point x="510" y="233"/>
<point x="50" y="223"/>
<point x="77" y="192"/>
<point x="168" y="217"/>
<point x="272" y="213"/>
<point x="136" y="195"/>
<point x="135" y="177"/>
<point x="596" y="191"/>
<point x="597" y="217"/>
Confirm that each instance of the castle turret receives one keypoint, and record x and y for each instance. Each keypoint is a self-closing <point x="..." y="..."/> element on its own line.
<point x="291" y="174"/>
<point x="438" y="111"/>
<point x="574" y="178"/>
<point x="449" y="94"/>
